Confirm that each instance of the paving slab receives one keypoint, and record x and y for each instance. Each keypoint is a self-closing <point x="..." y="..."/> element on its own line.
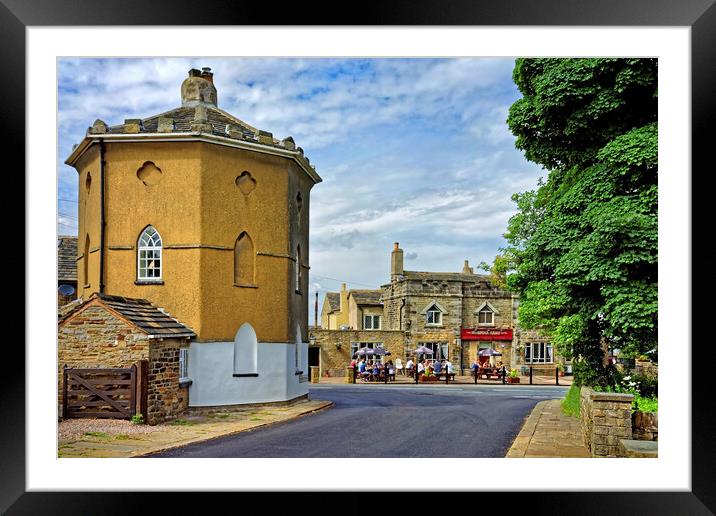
<point x="548" y="433"/>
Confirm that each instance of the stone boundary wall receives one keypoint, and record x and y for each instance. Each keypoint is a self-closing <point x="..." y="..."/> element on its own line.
<point x="606" y="418"/>
<point x="645" y="426"/>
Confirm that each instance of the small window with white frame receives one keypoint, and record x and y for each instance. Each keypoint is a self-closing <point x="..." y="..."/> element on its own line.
<point x="433" y="316"/>
<point x="183" y="363"/>
<point x="486" y="316"/>
<point x="149" y="255"/>
<point x="371" y="322"/>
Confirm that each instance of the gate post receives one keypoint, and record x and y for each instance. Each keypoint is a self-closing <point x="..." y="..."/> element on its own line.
<point x="133" y="390"/>
<point x="64" y="391"/>
<point x="142" y="389"/>
<point x="530" y="375"/>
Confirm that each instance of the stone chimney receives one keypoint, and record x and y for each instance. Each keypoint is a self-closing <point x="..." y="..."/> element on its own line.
<point x="344" y="298"/>
<point x="466" y="269"/>
<point x="199" y="89"/>
<point x="396" y="261"/>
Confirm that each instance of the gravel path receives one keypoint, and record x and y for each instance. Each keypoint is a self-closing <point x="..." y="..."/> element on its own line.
<point x="73" y="429"/>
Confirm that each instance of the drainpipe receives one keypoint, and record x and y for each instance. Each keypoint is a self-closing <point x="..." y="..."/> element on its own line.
<point x="400" y="314"/>
<point x="101" y="216"/>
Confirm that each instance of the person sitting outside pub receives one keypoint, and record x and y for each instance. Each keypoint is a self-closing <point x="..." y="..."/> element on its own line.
<point x="410" y="366"/>
<point x="437" y="367"/>
<point x="390" y="370"/>
<point x="421" y="368"/>
<point x="399" y="366"/>
<point x="475" y="368"/>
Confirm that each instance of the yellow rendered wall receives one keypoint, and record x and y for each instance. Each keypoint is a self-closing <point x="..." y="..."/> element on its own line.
<point x="199" y="211"/>
<point x="172" y="206"/>
<point x="88" y="213"/>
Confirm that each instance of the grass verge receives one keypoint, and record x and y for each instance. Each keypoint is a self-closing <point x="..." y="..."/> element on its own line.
<point x="570" y="403"/>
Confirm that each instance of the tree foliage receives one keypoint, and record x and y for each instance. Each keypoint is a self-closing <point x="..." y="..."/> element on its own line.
<point x="584" y="243"/>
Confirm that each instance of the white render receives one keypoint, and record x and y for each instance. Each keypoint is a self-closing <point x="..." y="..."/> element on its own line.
<point x="211" y="369"/>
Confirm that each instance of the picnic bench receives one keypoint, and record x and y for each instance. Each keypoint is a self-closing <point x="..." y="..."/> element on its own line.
<point x="441" y="376"/>
<point x="488" y="373"/>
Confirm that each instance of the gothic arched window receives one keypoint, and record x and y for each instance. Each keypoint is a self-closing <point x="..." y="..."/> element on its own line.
<point x="244" y="260"/>
<point x="149" y="255"/>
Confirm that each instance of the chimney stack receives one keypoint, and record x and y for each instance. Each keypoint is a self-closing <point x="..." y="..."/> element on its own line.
<point x="396" y="261"/>
<point x="199" y="89"/>
<point x="466" y="269"/>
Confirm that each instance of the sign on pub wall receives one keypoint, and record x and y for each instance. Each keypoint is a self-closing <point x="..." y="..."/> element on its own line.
<point x="485" y="334"/>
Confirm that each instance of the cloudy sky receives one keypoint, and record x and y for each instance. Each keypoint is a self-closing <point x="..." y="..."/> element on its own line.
<point x="414" y="151"/>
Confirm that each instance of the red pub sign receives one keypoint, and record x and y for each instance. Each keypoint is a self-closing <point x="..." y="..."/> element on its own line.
<point x="485" y="334"/>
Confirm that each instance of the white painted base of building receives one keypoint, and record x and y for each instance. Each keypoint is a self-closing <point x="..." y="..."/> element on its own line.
<point x="211" y="369"/>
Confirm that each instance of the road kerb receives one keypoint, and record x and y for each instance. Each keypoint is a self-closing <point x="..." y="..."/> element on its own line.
<point x="519" y="446"/>
<point x="325" y="405"/>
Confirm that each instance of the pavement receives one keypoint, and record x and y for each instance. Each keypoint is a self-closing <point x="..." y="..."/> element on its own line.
<point x="118" y="438"/>
<point x="548" y="433"/>
<point x="461" y="380"/>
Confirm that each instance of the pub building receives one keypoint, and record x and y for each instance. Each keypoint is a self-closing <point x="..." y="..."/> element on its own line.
<point x="455" y="314"/>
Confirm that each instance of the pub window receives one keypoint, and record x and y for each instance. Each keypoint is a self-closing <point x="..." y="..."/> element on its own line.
<point x="371" y="322"/>
<point x="538" y="353"/>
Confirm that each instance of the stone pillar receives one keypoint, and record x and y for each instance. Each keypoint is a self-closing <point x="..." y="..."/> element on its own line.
<point x="349" y="374"/>
<point x="315" y="374"/>
<point x="606" y="418"/>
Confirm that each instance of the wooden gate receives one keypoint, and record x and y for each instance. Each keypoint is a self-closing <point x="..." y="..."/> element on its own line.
<point x="99" y="393"/>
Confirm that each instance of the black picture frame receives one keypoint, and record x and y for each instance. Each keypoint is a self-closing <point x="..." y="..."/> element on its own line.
<point x="699" y="15"/>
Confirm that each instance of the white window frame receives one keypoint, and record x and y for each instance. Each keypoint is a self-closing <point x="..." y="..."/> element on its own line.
<point x="437" y="319"/>
<point x="440" y="349"/>
<point x="486" y="310"/>
<point x="372" y="318"/>
<point x="155" y="248"/>
<point x="183" y="363"/>
<point x="355" y="346"/>
<point x="539" y="353"/>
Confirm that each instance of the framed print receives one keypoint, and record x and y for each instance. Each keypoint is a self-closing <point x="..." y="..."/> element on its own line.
<point x="52" y="50"/>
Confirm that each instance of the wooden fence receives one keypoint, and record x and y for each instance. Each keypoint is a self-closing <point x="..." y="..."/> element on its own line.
<point x="105" y="393"/>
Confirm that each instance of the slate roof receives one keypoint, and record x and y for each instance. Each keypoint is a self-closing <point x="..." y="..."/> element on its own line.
<point x="67" y="259"/>
<point x="141" y="313"/>
<point x="366" y="297"/>
<point x="183" y="117"/>
<point x="334" y="301"/>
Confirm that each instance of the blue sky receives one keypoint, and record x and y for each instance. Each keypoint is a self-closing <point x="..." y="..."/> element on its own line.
<point x="414" y="151"/>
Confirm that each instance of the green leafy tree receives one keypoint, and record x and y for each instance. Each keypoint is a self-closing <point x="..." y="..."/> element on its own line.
<point x="584" y="243"/>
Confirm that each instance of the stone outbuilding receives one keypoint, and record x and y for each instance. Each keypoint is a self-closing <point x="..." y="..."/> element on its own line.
<point x="116" y="332"/>
<point x="207" y="216"/>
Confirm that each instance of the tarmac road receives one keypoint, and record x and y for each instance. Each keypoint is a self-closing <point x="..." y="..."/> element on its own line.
<point x="390" y="421"/>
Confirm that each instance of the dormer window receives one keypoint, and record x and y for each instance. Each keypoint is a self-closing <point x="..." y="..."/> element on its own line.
<point x="434" y="314"/>
<point x="485" y="314"/>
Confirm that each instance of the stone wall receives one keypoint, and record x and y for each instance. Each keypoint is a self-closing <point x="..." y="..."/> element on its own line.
<point x="96" y="338"/>
<point x="645" y="426"/>
<point x="606" y="418"/>
<point x="165" y="399"/>
<point x="333" y="359"/>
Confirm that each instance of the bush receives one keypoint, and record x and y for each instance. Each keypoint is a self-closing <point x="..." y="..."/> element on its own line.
<point x="645" y="404"/>
<point x="137" y="419"/>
